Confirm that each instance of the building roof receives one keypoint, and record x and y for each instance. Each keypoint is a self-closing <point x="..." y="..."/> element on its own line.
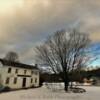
<point x="17" y="64"/>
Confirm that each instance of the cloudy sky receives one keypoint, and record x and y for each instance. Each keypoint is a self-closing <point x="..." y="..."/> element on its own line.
<point x="26" y="23"/>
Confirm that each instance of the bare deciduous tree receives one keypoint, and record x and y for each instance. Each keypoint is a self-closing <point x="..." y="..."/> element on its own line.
<point x="64" y="52"/>
<point x="12" y="56"/>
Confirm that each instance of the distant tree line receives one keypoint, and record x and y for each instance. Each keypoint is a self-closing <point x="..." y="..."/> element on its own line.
<point x="75" y="76"/>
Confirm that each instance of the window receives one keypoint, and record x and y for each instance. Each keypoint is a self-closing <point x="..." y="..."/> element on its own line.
<point x="9" y="70"/>
<point x="25" y="71"/>
<point x="7" y="80"/>
<point x="16" y="71"/>
<point x="31" y="72"/>
<point x="35" y="72"/>
<point x="15" y="80"/>
<point x="35" y="80"/>
<point x="31" y="80"/>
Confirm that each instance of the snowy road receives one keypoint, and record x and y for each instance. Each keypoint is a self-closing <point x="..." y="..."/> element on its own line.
<point x="93" y="93"/>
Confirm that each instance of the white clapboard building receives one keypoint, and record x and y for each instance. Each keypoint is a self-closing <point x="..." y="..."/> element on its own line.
<point x="16" y="75"/>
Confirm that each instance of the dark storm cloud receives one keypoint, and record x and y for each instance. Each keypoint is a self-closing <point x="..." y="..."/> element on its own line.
<point x="32" y="22"/>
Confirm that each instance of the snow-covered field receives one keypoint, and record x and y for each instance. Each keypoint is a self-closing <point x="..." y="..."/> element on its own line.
<point x="93" y="93"/>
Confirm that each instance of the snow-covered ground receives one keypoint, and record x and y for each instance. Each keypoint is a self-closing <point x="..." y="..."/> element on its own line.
<point x="93" y="93"/>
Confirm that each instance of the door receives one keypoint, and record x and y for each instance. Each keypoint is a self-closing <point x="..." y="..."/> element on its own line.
<point x="24" y="83"/>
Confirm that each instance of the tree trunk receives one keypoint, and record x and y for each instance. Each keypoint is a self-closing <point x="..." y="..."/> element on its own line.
<point x="66" y="85"/>
<point x="66" y="81"/>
